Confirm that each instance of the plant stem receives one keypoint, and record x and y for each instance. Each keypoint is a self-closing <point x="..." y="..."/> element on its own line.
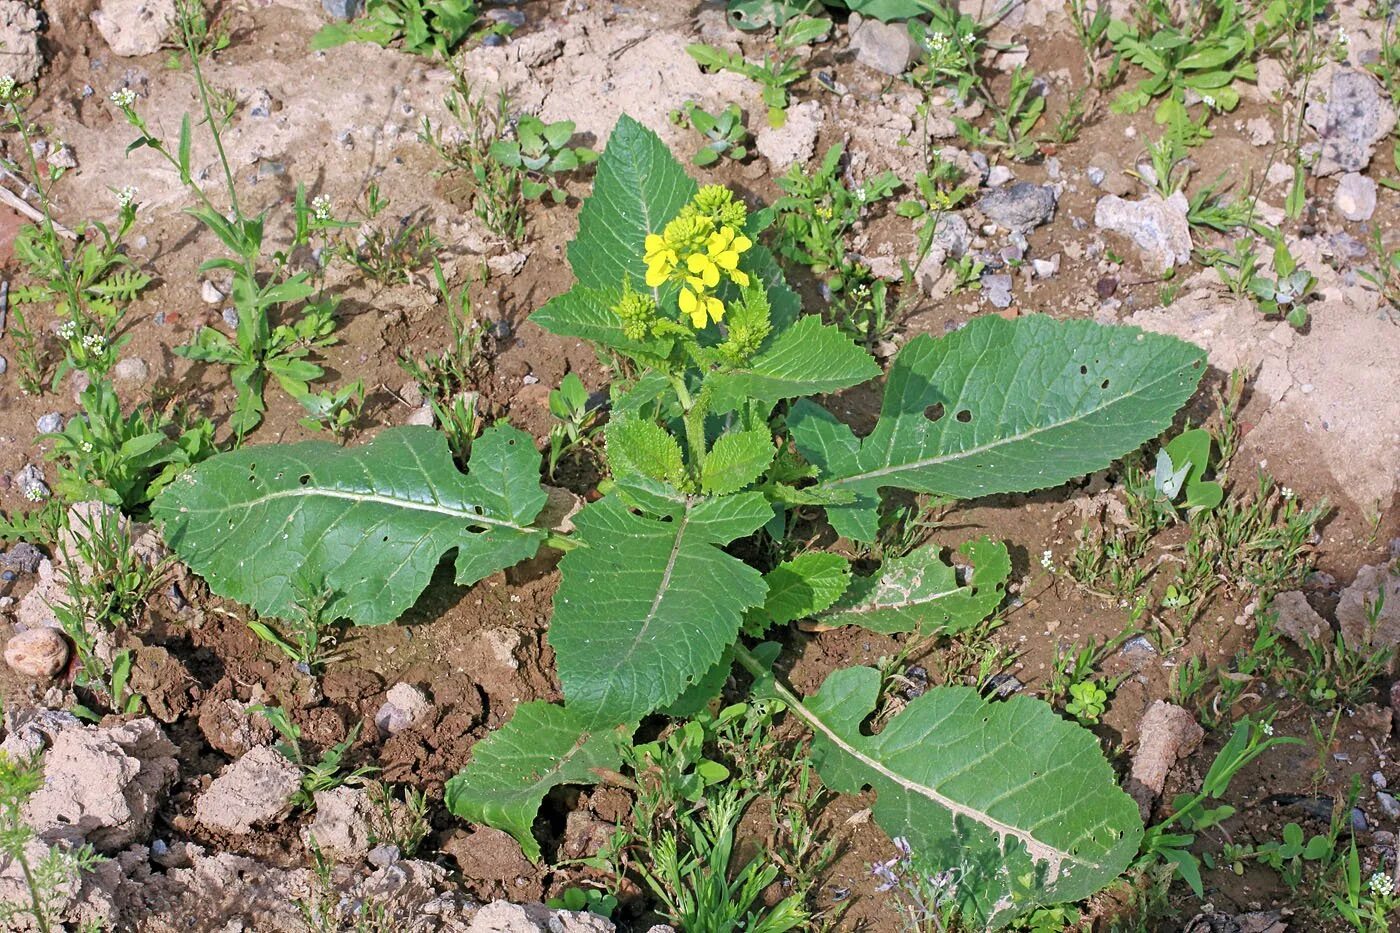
<point x="694" y="420"/>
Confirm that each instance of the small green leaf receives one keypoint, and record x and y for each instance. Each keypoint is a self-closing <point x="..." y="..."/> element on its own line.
<point x="736" y="460"/>
<point x="636" y="445"/>
<point x="543" y="746"/>
<point x="920" y="593"/>
<point x="804" y="586"/>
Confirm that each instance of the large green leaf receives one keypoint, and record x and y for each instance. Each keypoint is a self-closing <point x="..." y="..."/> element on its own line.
<point x="808" y="358"/>
<point x="587" y="313"/>
<point x="649" y="605"/>
<point x="1018" y="804"/>
<point x="920" y="593"/>
<point x="368" y="524"/>
<point x="1001" y="406"/>
<point x="513" y="768"/>
<point x="639" y="186"/>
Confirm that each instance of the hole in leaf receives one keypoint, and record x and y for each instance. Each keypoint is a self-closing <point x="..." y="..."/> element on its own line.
<point x="1083" y="370"/>
<point x="934" y="411"/>
<point x="964" y="416"/>
<point x="304" y="478"/>
<point x="1104" y="384"/>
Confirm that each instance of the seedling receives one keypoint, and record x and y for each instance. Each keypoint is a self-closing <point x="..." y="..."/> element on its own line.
<point x="1181" y="470"/>
<point x="326" y="772"/>
<point x="653" y="611"/>
<point x="542" y="151"/>
<point x="576" y="421"/>
<point x="819" y="209"/>
<point x="307" y="637"/>
<point x="497" y="190"/>
<point x="1285" y="294"/>
<point x="777" y="72"/>
<point x="725" y="131"/>
<point x="426" y="27"/>
<point x="335" y="411"/>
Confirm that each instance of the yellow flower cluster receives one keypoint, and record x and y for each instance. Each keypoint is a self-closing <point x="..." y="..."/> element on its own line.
<point x="701" y="246"/>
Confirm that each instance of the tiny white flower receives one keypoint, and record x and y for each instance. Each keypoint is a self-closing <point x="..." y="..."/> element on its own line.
<point x="1047" y="559"/>
<point x="7" y="87"/>
<point x="1208" y="101"/>
<point x="321" y="208"/>
<point x="1287" y="492"/>
<point x="126" y="195"/>
<point x="94" y="343"/>
<point x="1381" y="884"/>
<point x="87" y="447"/>
<point x="34" y="492"/>
<point x="1342" y="36"/>
<point x="67" y="330"/>
<point x="123" y="97"/>
<point x="1268" y="728"/>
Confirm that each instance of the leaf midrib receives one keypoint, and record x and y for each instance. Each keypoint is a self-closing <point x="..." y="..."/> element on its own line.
<point x="467" y="514"/>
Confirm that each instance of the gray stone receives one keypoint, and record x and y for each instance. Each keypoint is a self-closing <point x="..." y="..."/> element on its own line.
<point x="19" y="37"/>
<point x="1358" y="602"/>
<point x="1022" y="206"/>
<point x="1353" y="118"/>
<point x="997" y="289"/>
<point x="795" y="140"/>
<point x="1158" y="227"/>
<point x="341" y="829"/>
<point x="999" y="175"/>
<point x="1389" y="805"/>
<point x="50" y="423"/>
<point x="342" y="9"/>
<point x="1297" y="619"/>
<point x="1355" y="197"/>
<point x="886" y="47"/>
<point x="230" y="317"/>
<point x="23" y="556"/>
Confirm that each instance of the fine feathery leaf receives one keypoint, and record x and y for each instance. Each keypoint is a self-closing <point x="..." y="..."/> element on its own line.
<point x="648" y="606"/>
<point x="366" y="524"/>
<point x="1001" y="406"/>
<point x="920" y="593"/>
<point x="1018" y="804"/>
<point x="511" y="770"/>
<point x="808" y="358"/>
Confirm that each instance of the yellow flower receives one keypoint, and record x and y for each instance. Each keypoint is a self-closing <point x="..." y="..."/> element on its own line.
<point x="723" y="250"/>
<point x="660" y="258"/>
<point x="703" y="268"/>
<point x="695" y="303"/>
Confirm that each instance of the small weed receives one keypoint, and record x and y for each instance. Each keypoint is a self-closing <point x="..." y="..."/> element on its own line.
<point x="308" y="638"/>
<point x="444" y="378"/>
<point x="400" y="821"/>
<point x="426" y="27"/>
<point x="542" y="151"/>
<point x="777" y="72"/>
<point x="497" y="190"/>
<point x="325" y="773"/>
<point x="387" y="253"/>
<point x="337" y="411"/>
<point x="327" y="910"/>
<point x="576" y="423"/>
<point x="724" y="131"/>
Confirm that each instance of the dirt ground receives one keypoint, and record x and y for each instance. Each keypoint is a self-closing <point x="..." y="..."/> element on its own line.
<point x="1321" y="413"/>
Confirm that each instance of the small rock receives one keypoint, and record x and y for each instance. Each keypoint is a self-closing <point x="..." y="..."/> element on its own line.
<point x="1355" y="197"/>
<point x="1373" y="583"/>
<point x="62" y="157"/>
<point x="1138" y="650"/>
<point x="1353" y="118"/>
<point x="1158" y="227"/>
<point x="261" y="104"/>
<point x="1004" y="685"/>
<point x="405" y="706"/>
<point x="1166" y="734"/>
<point x="422" y="415"/>
<point x="507" y="264"/>
<point x="342" y="9"/>
<point x="997" y="289"/>
<point x="230" y="317"/>
<point x="999" y="175"/>
<point x="382" y="856"/>
<point x="210" y="293"/>
<point x="886" y="47"/>
<point x="131" y="369"/>
<point x="1358" y="820"/>
<point x="39" y="653"/>
<point x="1389" y="805"/>
<point x="1045" y="268"/>
<point x="255" y="789"/>
<point x="23" y="557"/>
<point x="30" y="481"/>
<point x="795" y="140"/>
<point x="1095" y="175"/>
<point x="1297" y="619"/>
<point x="505" y="917"/>
<point x="135" y="27"/>
<point x="50" y="423"/>
<point x="1021" y="207"/>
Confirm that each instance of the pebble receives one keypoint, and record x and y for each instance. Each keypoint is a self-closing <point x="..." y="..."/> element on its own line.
<point x="1378" y="779"/>
<point x="342" y="9"/>
<point x="1096" y="176"/>
<point x="31" y="483"/>
<point x="1022" y="206"/>
<point x="1355" y="197"/>
<point x="405" y="706"/>
<point x="230" y="317"/>
<point x="131" y="369"/>
<point x="210" y="293"/>
<point x="38" y="653"/>
<point x="886" y="47"/>
<point x="1389" y="805"/>
<point x="50" y="423"/>
<point x="998" y="176"/>
<point x="1358" y="820"/>
<point x="997" y="289"/>
<point x="382" y="856"/>
<point x="1003" y="685"/>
